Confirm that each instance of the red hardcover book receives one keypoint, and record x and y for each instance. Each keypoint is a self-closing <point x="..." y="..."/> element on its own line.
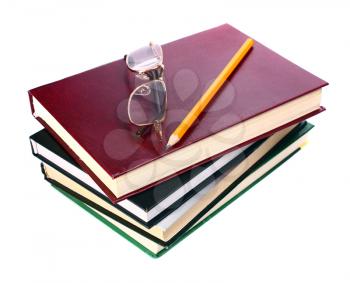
<point x="87" y="112"/>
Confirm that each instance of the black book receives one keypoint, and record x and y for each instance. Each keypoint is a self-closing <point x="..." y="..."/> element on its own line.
<point x="153" y="205"/>
<point x="265" y="159"/>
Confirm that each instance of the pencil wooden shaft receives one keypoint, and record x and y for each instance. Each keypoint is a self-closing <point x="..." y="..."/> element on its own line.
<point x="210" y="92"/>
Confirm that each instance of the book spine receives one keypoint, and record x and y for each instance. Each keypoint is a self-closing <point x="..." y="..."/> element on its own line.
<point x="103" y="210"/>
<point x="105" y="189"/>
<point x="31" y="102"/>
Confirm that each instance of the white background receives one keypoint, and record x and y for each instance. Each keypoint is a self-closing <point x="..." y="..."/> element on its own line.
<point x="292" y="227"/>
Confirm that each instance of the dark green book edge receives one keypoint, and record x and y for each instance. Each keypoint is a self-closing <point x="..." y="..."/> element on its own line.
<point x="296" y="133"/>
<point x="187" y="233"/>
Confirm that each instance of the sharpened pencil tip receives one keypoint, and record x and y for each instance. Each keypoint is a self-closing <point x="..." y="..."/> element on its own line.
<point x="172" y="140"/>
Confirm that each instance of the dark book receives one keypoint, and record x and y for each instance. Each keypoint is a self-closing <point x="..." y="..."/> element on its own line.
<point x="152" y="205"/>
<point x="155" y="246"/>
<point x="86" y="112"/>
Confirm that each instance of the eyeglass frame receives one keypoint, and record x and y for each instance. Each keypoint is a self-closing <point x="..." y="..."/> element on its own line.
<point x="150" y="74"/>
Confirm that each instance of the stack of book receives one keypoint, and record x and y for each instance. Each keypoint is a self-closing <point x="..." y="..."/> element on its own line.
<point x="152" y="197"/>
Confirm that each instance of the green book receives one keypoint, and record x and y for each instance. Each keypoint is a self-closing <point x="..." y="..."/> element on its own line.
<point x="271" y="161"/>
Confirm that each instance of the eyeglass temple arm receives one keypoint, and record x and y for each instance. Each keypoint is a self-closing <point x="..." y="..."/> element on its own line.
<point x="159" y="129"/>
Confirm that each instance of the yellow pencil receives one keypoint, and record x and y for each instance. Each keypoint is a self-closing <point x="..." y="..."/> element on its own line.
<point x="209" y="93"/>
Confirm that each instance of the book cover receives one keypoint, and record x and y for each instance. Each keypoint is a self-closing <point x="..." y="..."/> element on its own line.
<point x="162" y="249"/>
<point x="90" y="107"/>
<point x="160" y="200"/>
<point x="295" y="135"/>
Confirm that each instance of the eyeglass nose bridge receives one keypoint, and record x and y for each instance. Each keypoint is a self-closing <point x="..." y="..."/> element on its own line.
<point x="155" y="74"/>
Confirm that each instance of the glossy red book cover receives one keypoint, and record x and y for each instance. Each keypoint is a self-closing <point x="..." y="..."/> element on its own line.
<point x="91" y="106"/>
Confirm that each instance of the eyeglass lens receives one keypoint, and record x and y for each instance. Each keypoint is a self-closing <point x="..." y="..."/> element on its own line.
<point x="148" y="103"/>
<point x="145" y="58"/>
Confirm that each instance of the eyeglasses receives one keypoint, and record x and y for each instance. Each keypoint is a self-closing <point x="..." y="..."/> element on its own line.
<point x="147" y="103"/>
